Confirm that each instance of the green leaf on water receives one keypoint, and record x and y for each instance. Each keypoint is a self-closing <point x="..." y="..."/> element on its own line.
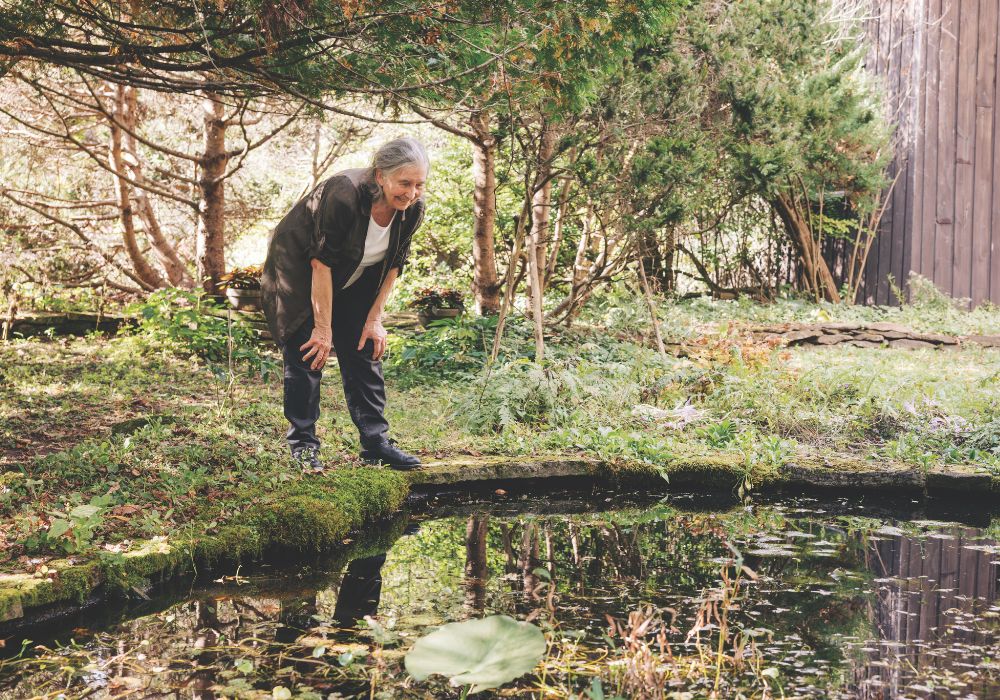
<point x="244" y="666"/>
<point x="281" y="693"/>
<point x="318" y="652"/>
<point x="481" y="653"/>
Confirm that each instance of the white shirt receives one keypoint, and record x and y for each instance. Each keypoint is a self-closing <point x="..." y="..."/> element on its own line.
<point x="376" y="245"/>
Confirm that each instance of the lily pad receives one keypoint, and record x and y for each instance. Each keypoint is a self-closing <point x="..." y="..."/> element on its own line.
<point x="482" y="653"/>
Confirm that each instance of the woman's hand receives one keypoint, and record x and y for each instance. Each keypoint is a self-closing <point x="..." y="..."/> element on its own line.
<point x="374" y="331"/>
<point x="319" y="346"/>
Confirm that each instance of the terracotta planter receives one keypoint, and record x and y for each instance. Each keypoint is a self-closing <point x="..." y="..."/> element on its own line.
<point x="244" y="299"/>
<point x="434" y="314"/>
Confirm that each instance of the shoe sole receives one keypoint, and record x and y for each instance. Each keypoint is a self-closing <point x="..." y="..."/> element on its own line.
<point x="380" y="463"/>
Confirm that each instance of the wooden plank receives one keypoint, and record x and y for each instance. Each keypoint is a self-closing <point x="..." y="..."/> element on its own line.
<point x="982" y="204"/>
<point x="928" y="175"/>
<point x="948" y="579"/>
<point x="919" y="82"/>
<point x="889" y="70"/>
<point x="933" y="549"/>
<point x="994" y="293"/>
<point x="944" y="211"/>
<point x="965" y="139"/>
<point x="910" y="69"/>
<point x="968" y="566"/>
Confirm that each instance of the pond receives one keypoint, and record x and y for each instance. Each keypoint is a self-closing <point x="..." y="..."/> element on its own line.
<point x="652" y="597"/>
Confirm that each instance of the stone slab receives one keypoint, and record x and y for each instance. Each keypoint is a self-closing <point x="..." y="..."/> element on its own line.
<point x="462" y="470"/>
<point x="911" y="344"/>
<point x="960" y="478"/>
<point x="833" y="339"/>
<point x="862" y="476"/>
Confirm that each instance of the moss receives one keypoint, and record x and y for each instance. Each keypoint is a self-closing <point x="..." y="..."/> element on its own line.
<point x="317" y="514"/>
<point x="311" y="514"/>
<point x="302" y="523"/>
<point x="71" y="583"/>
<point x="232" y="544"/>
<point x="716" y="471"/>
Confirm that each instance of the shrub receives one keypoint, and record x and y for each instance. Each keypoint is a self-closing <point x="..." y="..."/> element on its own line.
<point x="188" y="323"/>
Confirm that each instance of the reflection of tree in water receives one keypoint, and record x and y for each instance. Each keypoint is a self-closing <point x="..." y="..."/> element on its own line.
<point x="931" y="593"/>
<point x="477" y="570"/>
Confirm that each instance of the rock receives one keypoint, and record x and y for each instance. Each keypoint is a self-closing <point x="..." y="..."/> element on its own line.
<point x="794" y="337"/>
<point x="937" y="338"/>
<point x="456" y="471"/>
<point x="858" y="475"/>
<point x="989" y="341"/>
<point x="838" y="327"/>
<point x="834" y="339"/>
<point x="896" y="335"/>
<point x="883" y="327"/>
<point x="869" y="337"/>
<point x="963" y="478"/>
<point x="911" y="344"/>
<point x="863" y="344"/>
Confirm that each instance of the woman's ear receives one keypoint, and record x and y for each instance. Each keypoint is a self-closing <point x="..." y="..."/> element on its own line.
<point x="378" y="178"/>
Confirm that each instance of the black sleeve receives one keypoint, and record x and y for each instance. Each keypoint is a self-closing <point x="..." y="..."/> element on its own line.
<point x="332" y="218"/>
<point x="403" y="252"/>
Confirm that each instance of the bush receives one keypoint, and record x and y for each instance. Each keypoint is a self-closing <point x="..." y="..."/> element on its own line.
<point x="449" y="349"/>
<point x="188" y="323"/>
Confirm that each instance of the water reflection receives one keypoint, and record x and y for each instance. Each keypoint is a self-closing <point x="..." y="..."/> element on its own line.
<point x="843" y="606"/>
<point x="933" y="604"/>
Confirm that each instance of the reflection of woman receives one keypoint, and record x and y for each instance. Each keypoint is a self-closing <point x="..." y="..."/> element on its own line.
<point x="331" y="263"/>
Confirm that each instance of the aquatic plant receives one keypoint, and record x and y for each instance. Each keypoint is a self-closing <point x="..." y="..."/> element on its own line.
<point x="481" y="654"/>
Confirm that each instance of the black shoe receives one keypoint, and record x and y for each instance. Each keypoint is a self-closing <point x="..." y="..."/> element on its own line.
<point x="308" y="459"/>
<point x="386" y="452"/>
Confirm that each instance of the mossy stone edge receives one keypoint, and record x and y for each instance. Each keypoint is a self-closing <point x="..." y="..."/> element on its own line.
<point x="318" y="514"/>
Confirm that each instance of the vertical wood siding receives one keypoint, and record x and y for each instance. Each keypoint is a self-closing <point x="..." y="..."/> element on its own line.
<point x="938" y="62"/>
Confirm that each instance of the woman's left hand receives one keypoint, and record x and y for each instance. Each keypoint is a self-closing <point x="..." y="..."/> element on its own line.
<point x="374" y="331"/>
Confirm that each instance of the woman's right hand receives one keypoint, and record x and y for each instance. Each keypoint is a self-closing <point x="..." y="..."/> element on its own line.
<point x="319" y="344"/>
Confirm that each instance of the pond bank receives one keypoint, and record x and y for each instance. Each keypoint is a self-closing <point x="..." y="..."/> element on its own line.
<point x="318" y="514"/>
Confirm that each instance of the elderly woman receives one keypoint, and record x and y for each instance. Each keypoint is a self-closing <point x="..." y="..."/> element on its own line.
<point x="331" y="263"/>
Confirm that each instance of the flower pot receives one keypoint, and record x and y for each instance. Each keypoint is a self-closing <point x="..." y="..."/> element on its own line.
<point x="244" y="299"/>
<point x="426" y="316"/>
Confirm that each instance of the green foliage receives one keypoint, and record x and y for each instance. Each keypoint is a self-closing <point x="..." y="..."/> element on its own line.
<point x="448" y="349"/>
<point x="189" y="323"/>
<point x="719" y="434"/>
<point x="72" y="529"/>
<point x="482" y="654"/>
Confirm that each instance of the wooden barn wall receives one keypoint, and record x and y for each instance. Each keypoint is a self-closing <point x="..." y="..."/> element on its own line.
<point x="938" y="61"/>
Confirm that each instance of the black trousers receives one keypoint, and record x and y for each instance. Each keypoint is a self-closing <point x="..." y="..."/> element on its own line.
<point x="364" y="385"/>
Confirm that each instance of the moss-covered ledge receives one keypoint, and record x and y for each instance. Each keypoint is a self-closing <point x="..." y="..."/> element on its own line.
<point x="317" y="513"/>
<point x="717" y="472"/>
<point x="313" y="514"/>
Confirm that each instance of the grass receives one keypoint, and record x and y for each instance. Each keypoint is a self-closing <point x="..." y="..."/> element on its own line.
<point x="78" y="478"/>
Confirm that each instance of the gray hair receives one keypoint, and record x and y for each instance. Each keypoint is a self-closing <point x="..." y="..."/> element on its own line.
<point x="399" y="153"/>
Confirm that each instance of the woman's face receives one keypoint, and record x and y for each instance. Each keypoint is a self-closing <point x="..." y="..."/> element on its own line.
<point x="402" y="187"/>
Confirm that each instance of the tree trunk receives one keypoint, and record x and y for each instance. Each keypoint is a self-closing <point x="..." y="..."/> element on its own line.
<point x="557" y="232"/>
<point x="541" y="200"/>
<point x="485" y="284"/>
<point x="165" y="252"/>
<point x="537" y="239"/>
<point x="651" y="305"/>
<point x="476" y="563"/>
<point x="210" y="249"/>
<point x="815" y="270"/>
<point x="145" y="272"/>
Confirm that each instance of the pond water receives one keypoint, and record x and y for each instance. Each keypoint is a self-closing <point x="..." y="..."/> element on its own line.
<point x="657" y="597"/>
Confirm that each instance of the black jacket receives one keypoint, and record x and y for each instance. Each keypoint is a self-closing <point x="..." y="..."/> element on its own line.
<point x="329" y="224"/>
